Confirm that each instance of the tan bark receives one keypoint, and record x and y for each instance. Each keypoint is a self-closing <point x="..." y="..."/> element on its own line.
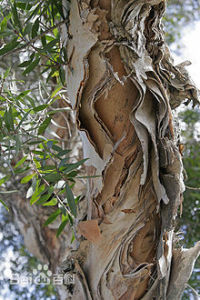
<point x="121" y="81"/>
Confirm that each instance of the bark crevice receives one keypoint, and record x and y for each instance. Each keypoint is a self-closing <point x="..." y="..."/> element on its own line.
<point x="125" y="87"/>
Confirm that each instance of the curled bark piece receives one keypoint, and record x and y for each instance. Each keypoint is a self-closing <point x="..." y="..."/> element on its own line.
<point x="182" y="266"/>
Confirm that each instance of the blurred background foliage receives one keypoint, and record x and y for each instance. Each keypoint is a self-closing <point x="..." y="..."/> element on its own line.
<point x="179" y="14"/>
<point x="43" y="64"/>
<point x="189" y="221"/>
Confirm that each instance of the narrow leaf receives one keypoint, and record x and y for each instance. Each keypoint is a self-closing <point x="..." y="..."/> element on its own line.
<point x="8" y="118"/>
<point x="54" y="93"/>
<point x="2" y="202"/>
<point x="3" y="24"/>
<point x="61" y="227"/>
<point x="4" y="179"/>
<point x="35" y="28"/>
<point x="71" y="167"/>
<point x="6" y="73"/>
<point x="40" y="107"/>
<point x="44" y="125"/>
<point x="53" y="177"/>
<point x="71" y="200"/>
<point x="52" y="202"/>
<point x="52" y="217"/>
<point x="63" y="162"/>
<point x="8" y="47"/>
<point x="20" y="162"/>
<point x="32" y="66"/>
<point x="27" y="178"/>
<point x="16" y="17"/>
<point x="25" y="63"/>
<point x="62" y="75"/>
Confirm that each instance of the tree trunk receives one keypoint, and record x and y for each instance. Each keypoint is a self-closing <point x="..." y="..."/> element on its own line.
<point x="122" y="84"/>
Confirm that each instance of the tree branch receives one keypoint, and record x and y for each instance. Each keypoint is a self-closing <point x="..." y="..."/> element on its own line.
<point x="32" y="41"/>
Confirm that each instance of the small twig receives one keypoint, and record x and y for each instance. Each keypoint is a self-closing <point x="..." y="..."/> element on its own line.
<point x="46" y="182"/>
<point x="9" y="192"/>
<point x="195" y="294"/>
<point x="29" y="43"/>
<point x="192" y="188"/>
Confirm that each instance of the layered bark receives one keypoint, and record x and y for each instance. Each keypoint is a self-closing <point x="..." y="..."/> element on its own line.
<point x="122" y="83"/>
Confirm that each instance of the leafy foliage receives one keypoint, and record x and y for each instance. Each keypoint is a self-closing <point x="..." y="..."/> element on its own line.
<point x="34" y="26"/>
<point x="26" y="152"/>
<point x="178" y="15"/>
<point x="43" y="163"/>
<point x="190" y="219"/>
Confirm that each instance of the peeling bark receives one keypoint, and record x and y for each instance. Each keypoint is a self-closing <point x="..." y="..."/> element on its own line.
<point x="123" y="84"/>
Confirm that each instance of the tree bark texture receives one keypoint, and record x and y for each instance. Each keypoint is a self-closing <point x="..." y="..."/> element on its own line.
<point x="122" y="84"/>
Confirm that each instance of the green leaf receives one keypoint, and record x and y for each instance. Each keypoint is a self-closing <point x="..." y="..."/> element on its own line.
<point x="38" y="191"/>
<point x="17" y="144"/>
<point x="24" y="4"/>
<point x="63" y="162"/>
<point x="3" y="24"/>
<point x="72" y="174"/>
<point x="40" y="107"/>
<point x="71" y="220"/>
<point x="63" y="152"/>
<point x="44" y="198"/>
<point x="2" y="202"/>
<point x="27" y="29"/>
<point x="44" y="125"/>
<point x="35" y="142"/>
<point x="70" y="200"/>
<point x="4" y="179"/>
<point x="10" y="46"/>
<point x="34" y="198"/>
<point x="73" y="238"/>
<point x="43" y="39"/>
<point x="35" y="28"/>
<point x="52" y="217"/>
<point x="23" y="119"/>
<point x="71" y="167"/>
<point x="8" y="118"/>
<point x="55" y="92"/>
<point x="16" y="17"/>
<point x="50" y="45"/>
<point x="62" y="75"/>
<point x="63" y="53"/>
<point x="57" y="148"/>
<point x="38" y="152"/>
<point x="20" y="162"/>
<point x="32" y="66"/>
<point x="27" y="178"/>
<point x="21" y="170"/>
<point x="25" y="63"/>
<point x="61" y="227"/>
<point x="52" y="202"/>
<point x="6" y="73"/>
<point x="47" y="168"/>
<point x="53" y="177"/>
<point x="34" y="12"/>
